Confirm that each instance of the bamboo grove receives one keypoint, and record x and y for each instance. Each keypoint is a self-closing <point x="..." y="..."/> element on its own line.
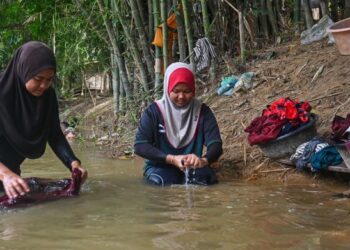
<point x="116" y="37"/>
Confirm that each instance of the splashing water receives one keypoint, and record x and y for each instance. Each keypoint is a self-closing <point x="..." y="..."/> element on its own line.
<point x="186" y="176"/>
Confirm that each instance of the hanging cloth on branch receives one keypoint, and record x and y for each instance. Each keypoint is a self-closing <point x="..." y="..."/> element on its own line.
<point x="203" y="54"/>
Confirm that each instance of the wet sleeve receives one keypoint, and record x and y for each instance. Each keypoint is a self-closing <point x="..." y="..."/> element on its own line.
<point x="58" y="141"/>
<point x="145" y="138"/>
<point x="212" y="138"/>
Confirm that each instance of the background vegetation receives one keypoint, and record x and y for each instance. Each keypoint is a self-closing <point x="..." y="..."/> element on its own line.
<point x="114" y="37"/>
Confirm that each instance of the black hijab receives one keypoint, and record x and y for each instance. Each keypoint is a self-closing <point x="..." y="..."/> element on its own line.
<point x="25" y="120"/>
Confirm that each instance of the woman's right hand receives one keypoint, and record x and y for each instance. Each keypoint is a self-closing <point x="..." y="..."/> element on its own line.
<point x="13" y="184"/>
<point x="177" y="161"/>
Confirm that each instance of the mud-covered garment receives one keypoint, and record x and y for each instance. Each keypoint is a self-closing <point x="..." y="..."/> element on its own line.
<point x="152" y="144"/>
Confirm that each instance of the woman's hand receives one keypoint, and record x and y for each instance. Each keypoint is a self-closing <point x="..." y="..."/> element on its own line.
<point x="84" y="173"/>
<point x="176" y="160"/>
<point x="186" y="161"/>
<point x="193" y="161"/>
<point x="13" y="184"/>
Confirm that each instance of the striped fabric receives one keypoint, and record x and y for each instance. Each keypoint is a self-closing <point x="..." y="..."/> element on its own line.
<point x="300" y="150"/>
<point x="203" y="54"/>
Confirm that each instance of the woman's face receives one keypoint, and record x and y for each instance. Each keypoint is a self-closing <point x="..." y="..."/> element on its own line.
<point x="40" y="82"/>
<point x="181" y="95"/>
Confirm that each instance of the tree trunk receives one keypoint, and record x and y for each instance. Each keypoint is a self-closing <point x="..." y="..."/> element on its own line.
<point x="347" y="9"/>
<point x="143" y="39"/>
<point x="158" y="53"/>
<point x="334" y="9"/>
<point x="279" y="14"/>
<point x="141" y="10"/>
<point x="122" y="94"/>
<point x="115" y="83"/>
<point x="241" y="35"/>
<point x="180" y="32"/>
<point x="188" y="32"/>
<point x="296" y="16"/>
<point x="272" y="17"/>
<point x="150" y="21"/>
<point x="307" y="12"/>
<point x="119" y="58"/>
<point x="263" y="18"/>
<point x="324" y="7"/>
<point x="164" y="16"/>
<point x="212" y="70"/>
<point x="134" y="48"/>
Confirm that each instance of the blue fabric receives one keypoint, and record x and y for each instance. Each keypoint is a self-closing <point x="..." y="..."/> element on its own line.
<point x="308" y="152"/>
<point x="226" y="84"/>
<point x="168" y="175"/>
<point x="326" y="157"/>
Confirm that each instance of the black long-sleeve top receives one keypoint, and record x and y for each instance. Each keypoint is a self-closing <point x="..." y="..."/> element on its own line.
<point x="57" y="141"/>
<point x="151" y="142"/>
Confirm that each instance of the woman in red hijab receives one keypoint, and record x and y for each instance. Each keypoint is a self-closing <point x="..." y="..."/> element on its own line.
<point x="174" y="130"/>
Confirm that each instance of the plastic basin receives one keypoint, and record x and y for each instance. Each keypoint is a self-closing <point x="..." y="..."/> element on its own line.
<point x="285" y="145"/>
<point x="341" y="33"/>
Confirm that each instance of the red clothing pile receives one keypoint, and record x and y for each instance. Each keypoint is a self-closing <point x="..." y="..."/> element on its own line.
<point x="276" y="116"/>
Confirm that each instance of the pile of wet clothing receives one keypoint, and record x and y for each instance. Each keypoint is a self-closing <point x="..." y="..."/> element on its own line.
<point x="319" y="153"/>
<point x="279" y="118"/>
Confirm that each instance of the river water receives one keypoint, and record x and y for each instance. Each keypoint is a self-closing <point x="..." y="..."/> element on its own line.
<point x="116" y="210"/>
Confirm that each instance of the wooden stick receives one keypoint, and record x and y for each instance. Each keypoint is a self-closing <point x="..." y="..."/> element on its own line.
<point x="259" y="166"/>
<point x="318" y="72"/>
<point x="272" y="171"/>
<point x="245" y="154"/>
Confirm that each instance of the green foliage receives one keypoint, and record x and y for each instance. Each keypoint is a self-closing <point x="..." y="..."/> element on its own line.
<point x="62" y="27"/>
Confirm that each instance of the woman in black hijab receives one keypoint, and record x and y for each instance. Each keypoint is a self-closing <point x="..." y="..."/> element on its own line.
<point x="29" y="115"/>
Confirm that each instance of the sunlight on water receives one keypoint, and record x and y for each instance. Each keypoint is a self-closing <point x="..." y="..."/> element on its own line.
<point x="117" y="210"/>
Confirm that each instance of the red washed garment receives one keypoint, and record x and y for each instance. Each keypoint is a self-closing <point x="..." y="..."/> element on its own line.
<point x="339" y="127"/>
<point x="42" y="190"/>
<point x="294" y="111"/>
<point x="268" y="126"/>
<point x="263" y="129"/>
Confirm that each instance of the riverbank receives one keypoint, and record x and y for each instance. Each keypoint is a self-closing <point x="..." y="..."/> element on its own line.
<point x="314" y="73"/>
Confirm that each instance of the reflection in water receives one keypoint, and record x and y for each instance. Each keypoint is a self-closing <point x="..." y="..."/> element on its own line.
<point x="116" y="210"/>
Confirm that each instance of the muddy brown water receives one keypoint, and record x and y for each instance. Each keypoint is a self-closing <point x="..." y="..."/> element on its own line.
<point x="116" y="210"/>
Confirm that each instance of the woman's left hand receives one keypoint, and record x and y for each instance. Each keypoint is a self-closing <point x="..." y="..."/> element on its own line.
<point x="193" y="161"/>
<point x="84" y="173"/>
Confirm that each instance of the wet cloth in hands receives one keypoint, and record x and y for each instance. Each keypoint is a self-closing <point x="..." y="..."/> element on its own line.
<point x="326" y="157"/>
<point x="42" y="190"/>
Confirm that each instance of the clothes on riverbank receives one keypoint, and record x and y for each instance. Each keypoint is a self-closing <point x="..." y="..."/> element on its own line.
<point x="341" y="128"/>
<point x="318" y="153"/>
<point x="279" y="118"/>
